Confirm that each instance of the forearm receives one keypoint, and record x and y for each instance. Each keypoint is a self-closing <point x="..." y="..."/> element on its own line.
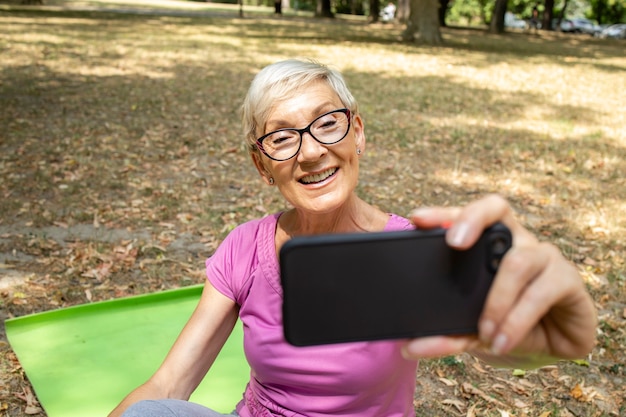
<point x="148" y="391"/>
<point x="193" y="352"/>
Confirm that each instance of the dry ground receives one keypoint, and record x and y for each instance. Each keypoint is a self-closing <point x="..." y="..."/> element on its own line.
<point x="121" y="166"/>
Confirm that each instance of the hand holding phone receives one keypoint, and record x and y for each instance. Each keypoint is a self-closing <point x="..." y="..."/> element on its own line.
<point x="385" y="285"/>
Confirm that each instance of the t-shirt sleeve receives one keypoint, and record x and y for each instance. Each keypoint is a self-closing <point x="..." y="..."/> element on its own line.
<point x="398" y="223"/>
<point x="228" y="269"/>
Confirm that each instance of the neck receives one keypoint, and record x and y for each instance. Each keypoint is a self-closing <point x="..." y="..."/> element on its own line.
<point x="354" y="216"/>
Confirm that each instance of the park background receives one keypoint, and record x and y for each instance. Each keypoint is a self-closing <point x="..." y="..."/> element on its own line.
<point x="122" y="165"/>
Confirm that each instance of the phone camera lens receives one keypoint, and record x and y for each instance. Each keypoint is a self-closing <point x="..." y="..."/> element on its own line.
<point x="499" y="245"/>
<point x="495" y="263"/>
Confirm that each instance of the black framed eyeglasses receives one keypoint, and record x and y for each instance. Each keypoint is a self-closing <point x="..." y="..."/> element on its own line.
<point x="327" y="129"/>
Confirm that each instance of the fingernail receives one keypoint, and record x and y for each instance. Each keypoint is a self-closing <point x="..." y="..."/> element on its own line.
<point x="422" y="212"/>
<point x="499" y="344"/>
<point x="458" y="234"/>
<point x="486" y="329"/>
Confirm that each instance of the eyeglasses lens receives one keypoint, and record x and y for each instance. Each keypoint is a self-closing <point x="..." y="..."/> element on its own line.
<point x="327" y="129"/>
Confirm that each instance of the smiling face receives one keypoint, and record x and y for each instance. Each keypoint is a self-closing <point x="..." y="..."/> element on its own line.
<point x="321" y="178"/>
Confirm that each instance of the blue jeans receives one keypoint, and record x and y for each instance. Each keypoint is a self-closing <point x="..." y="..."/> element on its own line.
<point x="171" y="408"/>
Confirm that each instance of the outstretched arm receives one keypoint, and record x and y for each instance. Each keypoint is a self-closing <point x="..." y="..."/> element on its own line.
<point x="537" y="309"/>
<point x="193" y="353"/>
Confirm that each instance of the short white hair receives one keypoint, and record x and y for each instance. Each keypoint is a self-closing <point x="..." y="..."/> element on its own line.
<point x="280" y="81"/>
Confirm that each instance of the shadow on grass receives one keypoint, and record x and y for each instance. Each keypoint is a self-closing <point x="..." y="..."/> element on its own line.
<point x="550" y="45"/>
<point x="75" y="144"/>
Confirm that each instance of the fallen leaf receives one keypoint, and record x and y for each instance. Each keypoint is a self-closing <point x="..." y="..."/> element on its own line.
<point x="471" y="411"/>
<point x="479" y="368"/>
<point x="472" y="390"/>
<point x="458" y="404"/>
<point x="32" y="405"/>
<point x="576" y="392"/>
<point x="583" y="394"/>
<point x="581" y="362"/>
<point x="519" y="403"/>
<point x="31" y="409"/>
<point x="448" y="382"/>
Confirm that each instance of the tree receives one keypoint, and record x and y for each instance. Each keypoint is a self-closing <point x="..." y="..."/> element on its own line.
<point x="323" y="9"/>
<point x="497" y="19"/>
<point x="374" y="10"/>
<point x="443" y="10"/>
<point x="403" y="11"/>
<point x="608" y="11"/>
<point x="423" y="18"/>
<point x="561" y="15"/>
<point x="548" y="12"/>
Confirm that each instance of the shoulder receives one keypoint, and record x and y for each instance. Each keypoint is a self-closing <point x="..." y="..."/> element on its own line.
<point x="249" y="232"/>
<point x="228" y="269"/>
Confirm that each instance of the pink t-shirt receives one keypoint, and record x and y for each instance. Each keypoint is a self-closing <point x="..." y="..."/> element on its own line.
<point x="349" y="379"/>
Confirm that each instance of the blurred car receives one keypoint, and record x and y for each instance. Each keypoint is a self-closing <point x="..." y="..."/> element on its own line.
<point x="576" y="25"/>
<point x="566" y="25"/>
<point x="582" y="25"/>
<point x="617" y="31"/>
<point x="512" y="21"/>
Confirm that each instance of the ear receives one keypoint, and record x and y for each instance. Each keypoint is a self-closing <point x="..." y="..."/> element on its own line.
<point x="260" y="166"/>
<point x="359" y="133"/>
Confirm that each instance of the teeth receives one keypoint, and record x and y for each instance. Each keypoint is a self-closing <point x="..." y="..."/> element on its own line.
<point x="318" y="177"/>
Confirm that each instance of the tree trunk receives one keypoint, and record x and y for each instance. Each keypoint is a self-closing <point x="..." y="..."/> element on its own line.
<point x="562" y="15"/>
<point x="548" y="12"/>
<point x="323" y="9"/>
<point x="403" y="10"/>
<point x="374" y="10"/>
<point x="443" y="10"/>
<point x="598" y="11"/>
<point x="425" y="19"/>
<point x="497" y="20"/>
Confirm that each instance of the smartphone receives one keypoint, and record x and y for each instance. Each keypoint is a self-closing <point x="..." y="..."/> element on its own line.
<point x="385" y="285"/>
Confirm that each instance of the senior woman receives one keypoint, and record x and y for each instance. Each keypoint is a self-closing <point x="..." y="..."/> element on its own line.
<point x="306" y="137"/>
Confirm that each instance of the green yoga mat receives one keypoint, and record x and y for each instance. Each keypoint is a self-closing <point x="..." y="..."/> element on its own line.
<point x="83" y="360"/>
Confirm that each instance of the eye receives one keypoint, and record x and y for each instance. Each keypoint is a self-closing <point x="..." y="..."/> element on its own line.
<point x="282" y="138"/>
<point x="326" y="123"/>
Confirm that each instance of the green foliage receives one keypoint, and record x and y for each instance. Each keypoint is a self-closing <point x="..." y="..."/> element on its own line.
<point x="470" y="12"/>
<point x="476" y="12"/>
<point x="608" y="11"/>
<point x="356" y="7"/>
<point x="521" y="8"/>
<point x="268" y="3"/>
<point x="303" y="5"/>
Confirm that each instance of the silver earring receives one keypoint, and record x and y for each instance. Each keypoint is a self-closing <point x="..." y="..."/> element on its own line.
<point x="358" y="151"/>
<point x="271" y="181"/>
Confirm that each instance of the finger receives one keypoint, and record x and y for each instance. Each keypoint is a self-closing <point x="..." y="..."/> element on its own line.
<point x="480" y="214"/>
<point x="430" y="217"/>
<point x="520" y="297"/>
<point x="437" y="346"/>
<point x="552" y="315"/>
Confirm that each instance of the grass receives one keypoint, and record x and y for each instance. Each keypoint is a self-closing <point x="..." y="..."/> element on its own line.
<point x="130" y="122"/>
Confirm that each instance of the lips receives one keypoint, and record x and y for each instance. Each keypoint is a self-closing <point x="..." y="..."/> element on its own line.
<point x="311" y="179"/>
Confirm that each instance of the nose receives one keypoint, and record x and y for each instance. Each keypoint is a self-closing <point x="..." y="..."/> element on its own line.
<point x="311" y="150"/>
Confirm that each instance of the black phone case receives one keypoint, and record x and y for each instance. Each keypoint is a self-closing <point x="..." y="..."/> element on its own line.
<point x="385" y="285"/>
